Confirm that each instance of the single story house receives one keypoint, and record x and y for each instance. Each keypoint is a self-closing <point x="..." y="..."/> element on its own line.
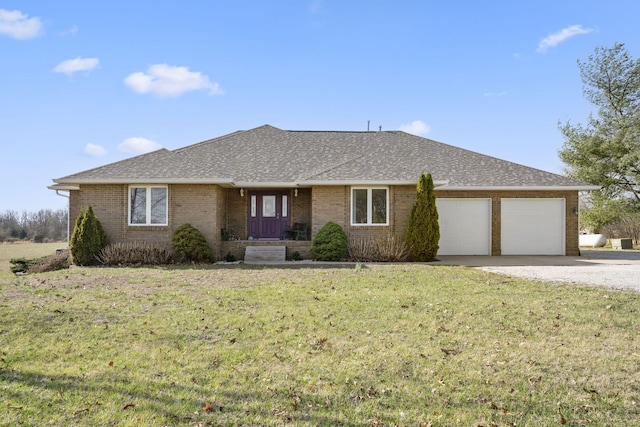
<point x="252" y="187"/>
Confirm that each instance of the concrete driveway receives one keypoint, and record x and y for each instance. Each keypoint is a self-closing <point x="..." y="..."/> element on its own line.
<point x="615" y="269"/>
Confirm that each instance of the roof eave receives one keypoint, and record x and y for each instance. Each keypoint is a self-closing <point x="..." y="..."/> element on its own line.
<point x="354" y="182"/>
<point x="78" y="181"/>
<point x="63" y="187"/>
<point x="522" y="188"/>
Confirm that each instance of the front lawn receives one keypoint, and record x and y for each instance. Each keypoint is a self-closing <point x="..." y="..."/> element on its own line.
<point x="404" y="345"/>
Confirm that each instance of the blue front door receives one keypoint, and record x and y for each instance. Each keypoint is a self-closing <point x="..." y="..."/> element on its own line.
<point x="268" y="214"/>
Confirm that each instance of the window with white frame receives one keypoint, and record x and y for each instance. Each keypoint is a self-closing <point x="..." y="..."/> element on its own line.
<point x="369" y="206"/>
<point x="148" y="205"/>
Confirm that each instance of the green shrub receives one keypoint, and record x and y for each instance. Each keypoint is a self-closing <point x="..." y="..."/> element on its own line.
<point x="229" y="257"/>
<point x="22" y="265"/>
<point x="296" y="256"/>
<point x="423" y="232"/>
<point x="330" y="244"/>
<point x="58" y="261"/>
<point x="190" y="245"/>
<point x="134" y="253"/>
<point x="88" y="238"/>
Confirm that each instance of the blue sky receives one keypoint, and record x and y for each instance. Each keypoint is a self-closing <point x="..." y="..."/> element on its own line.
<point x="86" y="83"/>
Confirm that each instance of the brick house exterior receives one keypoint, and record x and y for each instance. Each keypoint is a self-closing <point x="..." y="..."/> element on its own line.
<point x="239" y="180"/>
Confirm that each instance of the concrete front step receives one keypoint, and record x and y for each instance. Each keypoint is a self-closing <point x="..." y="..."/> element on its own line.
<point x="260" y="254"/>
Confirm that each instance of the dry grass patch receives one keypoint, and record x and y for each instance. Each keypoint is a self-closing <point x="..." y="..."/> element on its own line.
<point x="25" y="250"/>
<point x="387" y="345"/>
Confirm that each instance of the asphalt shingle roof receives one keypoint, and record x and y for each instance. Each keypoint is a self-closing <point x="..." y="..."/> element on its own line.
<point x="268" y="155"/>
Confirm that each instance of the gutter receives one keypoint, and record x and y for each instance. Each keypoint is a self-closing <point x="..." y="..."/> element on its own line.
<point x="522" y="188"/>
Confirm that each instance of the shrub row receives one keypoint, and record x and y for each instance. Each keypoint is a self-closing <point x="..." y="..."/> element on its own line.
<point x="379" y="249"/>
<point x="132" y="254"/>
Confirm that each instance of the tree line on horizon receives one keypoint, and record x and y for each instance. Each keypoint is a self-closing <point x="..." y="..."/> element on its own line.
<point x="43" y="226"/>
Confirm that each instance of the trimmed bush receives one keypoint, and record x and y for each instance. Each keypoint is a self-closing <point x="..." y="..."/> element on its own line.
<point x="330" y="244"/>
<point x="190" y="245"/>
<point x="88" y="238"/>
<point x="423" y="232"/>
<point x="378" y="249"/>
<point x="133" y="253"/>
<point x="58" y="261"/>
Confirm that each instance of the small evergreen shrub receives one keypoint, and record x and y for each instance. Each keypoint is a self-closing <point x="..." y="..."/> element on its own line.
<point x="423" y="231"/>
<point x="330" y="244"/>
<point x="58" y="261"/>
<point x="296" y="256"/>
<point x="190" y="245"/>
<point x="134" y="253"/>
<point x="229" y="257"/>
<point x="22" y="265"/>
<point x="88" y="238"/>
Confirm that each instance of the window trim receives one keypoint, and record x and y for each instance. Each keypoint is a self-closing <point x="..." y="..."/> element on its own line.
<point x="148" y="222"/>
<point x="369" y="222"/>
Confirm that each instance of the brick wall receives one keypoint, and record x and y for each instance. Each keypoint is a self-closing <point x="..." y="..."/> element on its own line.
<point x="203" y="206"/>
<point x="329" y="203"/>
<point x="333" y="204"/>
<point x="301" y="206"/>
<point x="211" y="208"/>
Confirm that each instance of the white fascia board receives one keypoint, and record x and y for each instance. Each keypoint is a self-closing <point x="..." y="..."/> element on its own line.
<point x="266" y="184"/>
<point x="62" y="187"/>
<point x="72" y="181"/>
<point x="523" y="188"/>
<point x="366" y="183"/>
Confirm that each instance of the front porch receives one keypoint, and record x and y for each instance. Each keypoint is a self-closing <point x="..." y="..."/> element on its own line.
<point x="237" y="248"/>
<point x="266" y="217"/>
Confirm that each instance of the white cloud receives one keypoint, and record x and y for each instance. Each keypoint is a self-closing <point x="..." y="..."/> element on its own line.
<point x="496" y="94"/>
<point x="16" y="24"/>
<point x="166" y="80"/>
<point x="94" y="150"/>
<point x="416" y="127"/>
<point x="70" y="32"/>
<point x="71" y="66"/>
<point x="138" y="145"/>
<point x="555" y="39"/>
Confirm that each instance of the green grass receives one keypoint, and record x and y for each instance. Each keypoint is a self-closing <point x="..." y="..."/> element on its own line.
<point x="400" y="345"/>
<point x="25" y="250"/>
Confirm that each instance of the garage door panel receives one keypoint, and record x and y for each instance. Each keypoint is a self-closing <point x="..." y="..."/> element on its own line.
<point x="465" y="226"/>
<point x="532" y="226"/>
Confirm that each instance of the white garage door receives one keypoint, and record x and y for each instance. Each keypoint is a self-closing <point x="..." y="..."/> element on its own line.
<point x="465" y="226"/>
<point x="533" y="226"/>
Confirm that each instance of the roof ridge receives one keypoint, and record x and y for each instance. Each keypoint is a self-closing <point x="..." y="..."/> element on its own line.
<point x="334" y="166"/>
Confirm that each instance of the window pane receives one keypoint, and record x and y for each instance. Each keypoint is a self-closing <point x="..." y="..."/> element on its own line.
<point x="138" y="205"/>
<point x="158" y="206"/>
<point x="253" y="206"/>
<point x="269" y="206"/>
<point x="379" y="206"/>
<point x="285" y="206"/>
<point x="359" y="207"/>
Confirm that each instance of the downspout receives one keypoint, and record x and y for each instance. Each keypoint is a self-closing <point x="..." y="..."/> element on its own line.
<point x="68" y="196"/>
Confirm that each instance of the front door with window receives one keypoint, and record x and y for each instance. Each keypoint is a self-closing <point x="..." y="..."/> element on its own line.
<point x="268" y="214"/>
